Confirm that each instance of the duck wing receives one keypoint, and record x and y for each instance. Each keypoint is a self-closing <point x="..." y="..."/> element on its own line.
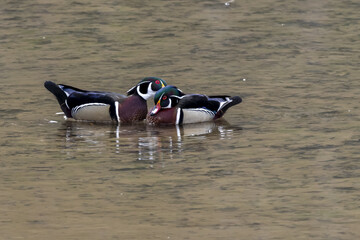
<point x="81" y="98"/>
<point x="62" y="93"/>
<point x="193" y="101"/>
<point x="212" y="103"/>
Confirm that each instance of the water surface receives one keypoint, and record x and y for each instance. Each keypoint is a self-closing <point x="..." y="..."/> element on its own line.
<point x="281" y="165"/>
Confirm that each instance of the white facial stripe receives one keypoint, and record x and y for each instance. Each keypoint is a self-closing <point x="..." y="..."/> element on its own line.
<point x="131" y="89"/>
<point x="149" y="88"/>
<point x="150" y="93"/>
<point x="169" y="105"/>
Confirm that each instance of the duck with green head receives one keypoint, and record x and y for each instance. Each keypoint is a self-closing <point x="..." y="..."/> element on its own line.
<point x="106" y="106"/>
<point x="172" y="106"/>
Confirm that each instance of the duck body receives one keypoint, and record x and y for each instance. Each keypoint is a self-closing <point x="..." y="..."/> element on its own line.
<point x="106" y="106"/>
<point x="172" y="106"/>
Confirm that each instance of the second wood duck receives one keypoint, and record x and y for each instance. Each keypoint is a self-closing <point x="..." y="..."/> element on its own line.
<point x="106" y="106"/>
<point x="172" y="106"/>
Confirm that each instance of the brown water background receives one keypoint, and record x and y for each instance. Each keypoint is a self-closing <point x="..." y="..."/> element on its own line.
<point x="284" y="164"/>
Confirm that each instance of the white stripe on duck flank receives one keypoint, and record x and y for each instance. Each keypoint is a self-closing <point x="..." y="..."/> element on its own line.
<point x="117" y="111"/>
<point x="178" y="114"/>
<point x="77" y="108"/>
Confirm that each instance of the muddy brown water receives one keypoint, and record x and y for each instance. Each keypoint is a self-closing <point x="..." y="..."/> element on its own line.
<point x="284" y="164"/>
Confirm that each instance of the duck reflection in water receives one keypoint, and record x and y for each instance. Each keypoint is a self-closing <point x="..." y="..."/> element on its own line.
<point x="140" y="141"/>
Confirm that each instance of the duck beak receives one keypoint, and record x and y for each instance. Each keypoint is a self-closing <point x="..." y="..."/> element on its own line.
<point x="156" y="109"/>
<point x="162" y="85"/>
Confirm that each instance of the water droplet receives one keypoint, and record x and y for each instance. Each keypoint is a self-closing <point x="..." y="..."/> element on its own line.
<point x="228" y="3"/>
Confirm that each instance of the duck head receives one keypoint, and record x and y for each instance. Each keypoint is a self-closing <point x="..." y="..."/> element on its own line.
<point x="147" y="87"/>
<point x="166" y="97"/>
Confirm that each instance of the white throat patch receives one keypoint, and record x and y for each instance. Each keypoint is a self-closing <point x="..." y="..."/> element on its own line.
<point x="150" y="93"/>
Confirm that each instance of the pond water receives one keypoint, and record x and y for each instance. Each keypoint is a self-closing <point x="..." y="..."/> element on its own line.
<point x="284" y="164"/>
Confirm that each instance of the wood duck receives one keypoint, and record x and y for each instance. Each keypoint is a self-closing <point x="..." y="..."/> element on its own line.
<point x="106" y="106"/>
<point x="172" y="106"/>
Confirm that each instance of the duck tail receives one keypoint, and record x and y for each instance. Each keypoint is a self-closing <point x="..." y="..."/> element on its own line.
<point x="231" y="101"/>
<point x="60" y="96"/>
<point x="56" y="90"/>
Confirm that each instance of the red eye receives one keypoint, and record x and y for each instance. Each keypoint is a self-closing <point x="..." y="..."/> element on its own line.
<point x="164" y="97"/>
<point x="157" y="82"/>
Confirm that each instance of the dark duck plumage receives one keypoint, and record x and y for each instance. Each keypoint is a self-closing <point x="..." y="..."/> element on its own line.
<point x="172" y="106"/>
<point x="106" y="106"/>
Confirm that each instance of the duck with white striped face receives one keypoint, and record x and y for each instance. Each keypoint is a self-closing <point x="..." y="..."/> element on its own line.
<point x="172" y="106"/>
<point x="106" y="106"/>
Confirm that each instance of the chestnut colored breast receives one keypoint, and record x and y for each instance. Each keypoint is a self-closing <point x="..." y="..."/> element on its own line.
<point x="165" y="116"/>
<point x="132" y="109"/>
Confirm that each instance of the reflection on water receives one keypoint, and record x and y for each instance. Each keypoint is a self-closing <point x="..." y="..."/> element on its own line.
<point x="152" y="142"/>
